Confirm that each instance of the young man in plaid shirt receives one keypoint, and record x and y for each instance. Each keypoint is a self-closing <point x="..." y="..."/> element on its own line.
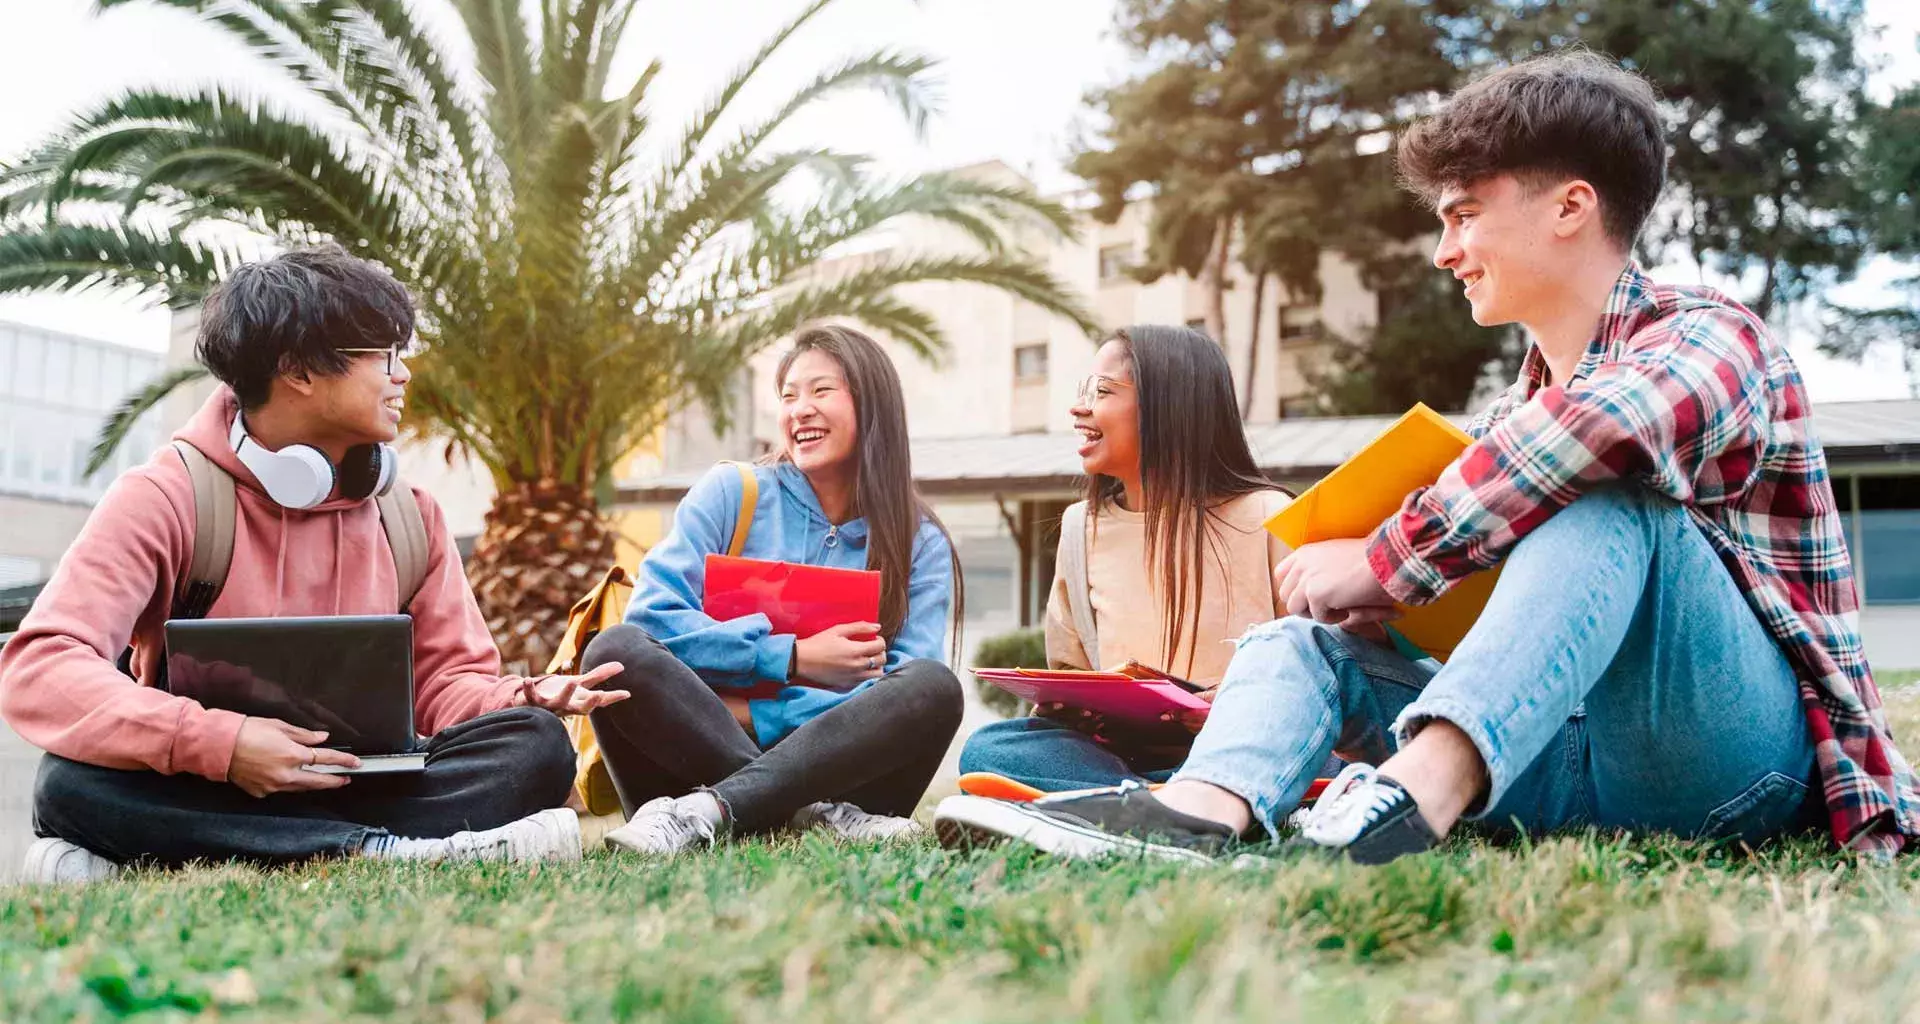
<point x="1673" y="643"/>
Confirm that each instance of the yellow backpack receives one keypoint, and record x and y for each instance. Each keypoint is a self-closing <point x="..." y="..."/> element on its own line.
<point x="603" y="607"/>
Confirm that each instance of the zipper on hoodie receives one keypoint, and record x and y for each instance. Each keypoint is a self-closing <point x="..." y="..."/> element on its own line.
<point x="833" y="536"/>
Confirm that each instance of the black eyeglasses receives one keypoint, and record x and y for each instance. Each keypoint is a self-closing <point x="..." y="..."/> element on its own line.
<point x="394" y="353"/>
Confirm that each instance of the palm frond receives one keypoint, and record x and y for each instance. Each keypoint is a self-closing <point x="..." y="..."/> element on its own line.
<point x="709" y="116"/>
<point x="119" y="423"/>
<point x="74" y="257"/>
<point x="504" y="57"/>
<point x="845" y="294"/>
<point x="211" y="149"/>
<point x="363" y="59"/>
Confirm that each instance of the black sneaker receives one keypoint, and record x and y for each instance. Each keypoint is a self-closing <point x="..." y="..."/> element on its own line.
<point x="1126" y="821"/>
<point x="1366" y="818"/>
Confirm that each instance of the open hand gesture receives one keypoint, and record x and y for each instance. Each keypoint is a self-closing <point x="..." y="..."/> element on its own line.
<point x="571" y="695"/>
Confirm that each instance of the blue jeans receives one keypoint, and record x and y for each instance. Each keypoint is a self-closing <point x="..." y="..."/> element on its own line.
<point x="1617" y="678"/>
<point x="1052" y="757"/>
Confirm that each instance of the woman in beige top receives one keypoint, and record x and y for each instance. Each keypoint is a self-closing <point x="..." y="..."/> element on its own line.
<point x="1177" y="564"/>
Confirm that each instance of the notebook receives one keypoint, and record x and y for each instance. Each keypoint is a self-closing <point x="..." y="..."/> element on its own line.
<point x="1362" y="492"/>
<point x="349" y="675"/>
<point x="1137" y="696"/>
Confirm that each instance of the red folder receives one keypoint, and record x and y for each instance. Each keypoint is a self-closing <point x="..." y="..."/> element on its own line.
<point x="797" y="599"/>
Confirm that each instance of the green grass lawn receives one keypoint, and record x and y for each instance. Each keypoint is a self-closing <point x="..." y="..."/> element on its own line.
<point x="1573" y="929"/>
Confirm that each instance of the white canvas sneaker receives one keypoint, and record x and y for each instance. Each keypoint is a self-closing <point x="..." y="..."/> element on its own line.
<point x="58" y="862"/>
<point x="855" y="825"/>
<point x="663" y="827"/>
<point x="552" y="834"/>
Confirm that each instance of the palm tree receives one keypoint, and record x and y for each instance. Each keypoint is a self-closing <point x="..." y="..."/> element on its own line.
<point x="581" y="273"/>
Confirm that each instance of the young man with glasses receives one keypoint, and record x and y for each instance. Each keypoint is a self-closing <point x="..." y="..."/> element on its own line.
<point x="310" y="348"/>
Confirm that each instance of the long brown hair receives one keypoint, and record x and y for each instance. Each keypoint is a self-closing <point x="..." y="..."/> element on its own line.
<point x="1193" y="458"/>
<point x="884" y="492"/>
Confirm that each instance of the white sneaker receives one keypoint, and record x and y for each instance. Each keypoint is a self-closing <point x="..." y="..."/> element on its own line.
<point x="552" y="834"/>
<point x="58" y="862"/>
<point x="855" y="825"/>
<point x="663" y="827"/>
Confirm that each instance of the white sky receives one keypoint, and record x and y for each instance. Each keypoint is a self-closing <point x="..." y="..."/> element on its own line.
<point x="1012" y="77"/>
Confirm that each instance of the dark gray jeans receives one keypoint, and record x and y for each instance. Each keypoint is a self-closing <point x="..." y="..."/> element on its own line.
<point x="481" y="774"/>
<point x="877" y="750"/>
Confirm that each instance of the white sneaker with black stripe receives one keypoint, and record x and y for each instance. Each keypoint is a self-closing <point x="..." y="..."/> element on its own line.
<point x="1125" y="821"/>
<point x="1365" y="817"/>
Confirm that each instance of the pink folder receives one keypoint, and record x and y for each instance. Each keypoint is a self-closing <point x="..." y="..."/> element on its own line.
<point x="1109" y="693"/>
<point x="798" y="599"/>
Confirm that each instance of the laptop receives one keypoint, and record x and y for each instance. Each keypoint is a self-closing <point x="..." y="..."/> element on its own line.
<point x="348" y="675"/>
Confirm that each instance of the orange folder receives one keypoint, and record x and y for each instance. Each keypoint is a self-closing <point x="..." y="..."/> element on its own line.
<point x="797" y="599"/>
<point x="1360" y="494"/>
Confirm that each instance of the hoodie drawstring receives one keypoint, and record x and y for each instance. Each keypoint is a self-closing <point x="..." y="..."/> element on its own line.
<point x="279" y="558"/>
<point x="339" y="540"/>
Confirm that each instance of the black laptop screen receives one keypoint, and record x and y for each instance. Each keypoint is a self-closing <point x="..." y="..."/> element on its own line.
<point x="350" y="676"/>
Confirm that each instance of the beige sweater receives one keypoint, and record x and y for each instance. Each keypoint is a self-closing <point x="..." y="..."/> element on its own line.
<point x="1129" y="610"/>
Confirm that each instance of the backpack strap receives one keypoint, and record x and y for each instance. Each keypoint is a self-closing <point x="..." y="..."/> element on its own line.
<point x="1073" y="567"/>
<point x="749" y="499"/>
<point x="213" y="520"/>
<point x="213" y="524"/>
<point x="407" y="536"/>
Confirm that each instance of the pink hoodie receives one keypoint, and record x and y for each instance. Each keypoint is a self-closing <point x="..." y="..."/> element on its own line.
<point x="58" y="685"/>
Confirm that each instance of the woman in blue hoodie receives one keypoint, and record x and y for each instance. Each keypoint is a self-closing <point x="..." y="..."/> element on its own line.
<point x="734" y="729"/>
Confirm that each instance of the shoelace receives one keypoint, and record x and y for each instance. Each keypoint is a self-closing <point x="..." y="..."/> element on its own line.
<point x="1343" y="812"/>
<point x="672" y="826"/>
<point x="849" y="819"/>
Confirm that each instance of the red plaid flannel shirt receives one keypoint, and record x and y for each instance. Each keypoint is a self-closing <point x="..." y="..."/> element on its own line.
<point x="1683" y="391"/>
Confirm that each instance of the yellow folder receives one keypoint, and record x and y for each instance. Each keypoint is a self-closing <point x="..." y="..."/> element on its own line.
<point x="1354" y="499"/>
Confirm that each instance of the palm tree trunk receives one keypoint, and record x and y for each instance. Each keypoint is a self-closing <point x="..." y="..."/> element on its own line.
<point x="1253" y="345"/>
<point x="541" y="547"/>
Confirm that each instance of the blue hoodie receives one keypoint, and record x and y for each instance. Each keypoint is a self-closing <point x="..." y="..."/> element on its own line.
<point x="788" y="526"/>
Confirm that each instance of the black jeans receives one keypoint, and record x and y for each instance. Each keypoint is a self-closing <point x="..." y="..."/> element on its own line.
<point x="481" y="774"/>
<point x="877" y="750"/>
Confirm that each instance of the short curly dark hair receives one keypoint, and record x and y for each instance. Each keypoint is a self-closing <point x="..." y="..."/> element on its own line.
<point x="1572" y="114"/>
<point x="292" y="313"/>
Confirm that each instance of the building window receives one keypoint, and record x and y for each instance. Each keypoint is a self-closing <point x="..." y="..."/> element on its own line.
<point x="60" y="384"/>
<point x="1030" y="363"/>
<point x="1299" y="323"/>
<point x="1115" y="261"/>
<point x="1887" y="558"/>
<point x="8" y="376"/>
<point x="29" y="369"/>
<point x="1292" y="407"/>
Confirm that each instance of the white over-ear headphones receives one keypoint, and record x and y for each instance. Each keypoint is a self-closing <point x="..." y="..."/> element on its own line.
<point x="300" y="476"/>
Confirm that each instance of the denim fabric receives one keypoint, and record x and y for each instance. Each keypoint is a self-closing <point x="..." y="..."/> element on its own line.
<point x="481" y="774"/>
<point x="1617" y="678"/>
<point x="1050" y="756"/>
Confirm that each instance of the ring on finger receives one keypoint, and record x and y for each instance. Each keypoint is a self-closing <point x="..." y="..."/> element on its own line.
<point x="872" y="663"/>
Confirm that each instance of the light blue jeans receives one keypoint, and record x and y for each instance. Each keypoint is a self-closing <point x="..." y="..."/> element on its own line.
<point x="1617" y="679"/>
